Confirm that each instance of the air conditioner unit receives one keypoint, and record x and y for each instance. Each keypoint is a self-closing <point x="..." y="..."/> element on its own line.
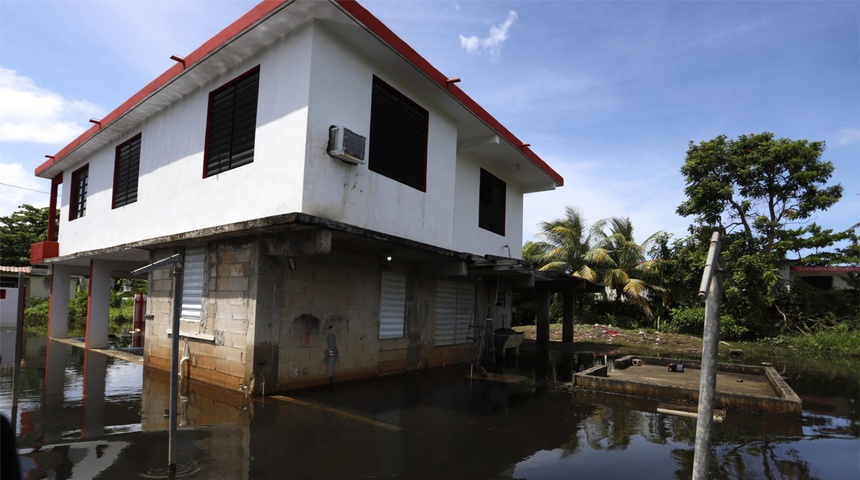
<point x="40" y="270"/>
<point x="346" y="145"/>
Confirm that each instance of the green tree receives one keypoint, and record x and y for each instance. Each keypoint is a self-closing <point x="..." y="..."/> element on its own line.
<point x="23" y="227"/>
<point x="760" y="193"/>
<point x="757" y="185"/>
<point x="568" y="241"/>
<point x="621" y="264"/>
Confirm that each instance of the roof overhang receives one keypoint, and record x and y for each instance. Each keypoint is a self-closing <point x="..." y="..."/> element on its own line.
<point x="478" y="131"/>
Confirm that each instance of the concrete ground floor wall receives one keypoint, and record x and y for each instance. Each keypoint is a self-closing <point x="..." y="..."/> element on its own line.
<point x="276" y="322"/>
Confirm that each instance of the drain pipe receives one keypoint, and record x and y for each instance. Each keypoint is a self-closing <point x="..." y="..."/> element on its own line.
<point x="263" y="383"/>
<point x="186" y="357"/>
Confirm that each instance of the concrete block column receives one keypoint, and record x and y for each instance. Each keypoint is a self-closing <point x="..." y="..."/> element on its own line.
<point x="58" y="315"/>
<point x="98" y="304"/>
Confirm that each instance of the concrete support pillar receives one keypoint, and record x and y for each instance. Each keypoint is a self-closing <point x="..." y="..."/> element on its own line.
<point x="98" y="304"/>
<point x="58" y="314"/>
<point x="567" y="318"/>
<point x="542" y="334"/>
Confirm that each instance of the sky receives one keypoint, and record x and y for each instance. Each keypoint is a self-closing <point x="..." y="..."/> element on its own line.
<point x="608" y="93"/>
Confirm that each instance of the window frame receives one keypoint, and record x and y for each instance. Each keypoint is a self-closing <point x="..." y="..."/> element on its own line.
<point x="397" y="137"/>
<point x="126" y="175"/>
<point x="238" y="153"/>
<point x="492" y="203"/>
<point x="78" y="192"/>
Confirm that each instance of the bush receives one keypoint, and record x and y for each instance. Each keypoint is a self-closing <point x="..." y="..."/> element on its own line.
<point x="691" y="321"/>
<point x="36" y="314"/>
<point x="842" y="340"/>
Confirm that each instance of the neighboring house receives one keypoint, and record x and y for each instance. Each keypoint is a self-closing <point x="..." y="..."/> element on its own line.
<point x="820" y="277"/>
<point x="311" y="253"/>
<point x="36" y="285"/>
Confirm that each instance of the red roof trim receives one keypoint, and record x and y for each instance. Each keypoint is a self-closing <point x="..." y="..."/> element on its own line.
<point x="825" y="269"/>
<point x="262" y="10"/>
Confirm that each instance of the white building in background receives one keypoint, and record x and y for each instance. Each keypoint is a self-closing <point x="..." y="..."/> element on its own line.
<point x="343" y="208"/>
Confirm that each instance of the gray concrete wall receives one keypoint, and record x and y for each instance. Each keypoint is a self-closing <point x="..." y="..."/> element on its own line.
<point x="276" y="323"/>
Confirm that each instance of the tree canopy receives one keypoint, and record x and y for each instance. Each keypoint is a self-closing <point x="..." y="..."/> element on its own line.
<point x="23" y="227"/>
<point x="758" y="186"/>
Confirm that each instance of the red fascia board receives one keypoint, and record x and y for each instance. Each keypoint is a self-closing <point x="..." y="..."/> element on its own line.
<point x="825" y="269"/>
<point x="253" y="16"/>
<point x="378" y="28"/>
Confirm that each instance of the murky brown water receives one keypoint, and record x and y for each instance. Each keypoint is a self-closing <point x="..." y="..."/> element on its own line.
<point x="89" y="416"/>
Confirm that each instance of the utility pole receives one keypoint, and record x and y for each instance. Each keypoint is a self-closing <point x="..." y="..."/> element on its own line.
<point x="712" y="289"/>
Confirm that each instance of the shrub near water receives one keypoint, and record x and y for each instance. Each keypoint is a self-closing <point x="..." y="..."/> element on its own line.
<point x="840" y="340"/>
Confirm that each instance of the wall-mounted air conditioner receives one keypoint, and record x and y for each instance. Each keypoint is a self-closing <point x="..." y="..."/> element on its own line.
<point x="40" y="270"/>
<point x="346" y="145"/>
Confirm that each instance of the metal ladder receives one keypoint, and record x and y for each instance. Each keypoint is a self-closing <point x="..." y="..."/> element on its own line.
<point x="480" y="335"/>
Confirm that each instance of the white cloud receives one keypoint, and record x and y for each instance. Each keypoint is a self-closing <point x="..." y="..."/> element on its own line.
<point x="19" y="186"/>
<point x="492" y="43"/>
<point x="846" y="136"/>
<point x="34" y="114"/>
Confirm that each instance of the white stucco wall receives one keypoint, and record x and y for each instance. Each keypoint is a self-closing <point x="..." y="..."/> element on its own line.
<point x="469" y="237"/>
<point x="291" y="171"/>
<point x="446" y="214"/>
<point x="173" y="196"/>
<point x="341" y="88"/>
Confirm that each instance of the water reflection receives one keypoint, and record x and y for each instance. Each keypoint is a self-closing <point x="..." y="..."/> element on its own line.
<point x="85" y="414"/>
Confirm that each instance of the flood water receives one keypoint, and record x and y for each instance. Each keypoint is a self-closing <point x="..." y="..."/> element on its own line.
<point x="85" y="415"/>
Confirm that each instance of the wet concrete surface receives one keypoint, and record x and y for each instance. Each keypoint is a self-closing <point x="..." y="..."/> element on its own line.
<point x="87" y="415"/>
<point x="737" y="383"/>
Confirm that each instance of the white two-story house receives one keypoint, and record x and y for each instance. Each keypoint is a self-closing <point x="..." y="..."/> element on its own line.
<point x="342" y="208"/>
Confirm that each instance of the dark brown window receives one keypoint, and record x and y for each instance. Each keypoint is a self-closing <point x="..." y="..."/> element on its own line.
<point x="232" y="124"/>
<point x="125" y="172"/>
<point x="398" y="136"/>
<point x="80" y="181"/>
<point x="491" y="206"/>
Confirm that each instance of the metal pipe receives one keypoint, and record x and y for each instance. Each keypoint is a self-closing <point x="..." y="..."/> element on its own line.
<point x="708" y="379"/>
<point x="713" y="254"/>
<point x="174" y="358"/>
<point x="186" y="356"/>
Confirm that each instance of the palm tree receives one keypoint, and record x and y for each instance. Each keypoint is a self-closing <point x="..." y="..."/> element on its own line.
<point x="568" y="241"/>
<point x="621" y="264"/>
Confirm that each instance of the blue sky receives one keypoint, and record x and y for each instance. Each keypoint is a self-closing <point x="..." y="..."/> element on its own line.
<point x="608" y="93"/>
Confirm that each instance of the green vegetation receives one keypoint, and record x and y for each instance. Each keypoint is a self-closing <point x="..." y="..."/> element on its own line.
<point x="18" y="231"/>
<point x="121" y="313"/>
<point x="760" y="193"/>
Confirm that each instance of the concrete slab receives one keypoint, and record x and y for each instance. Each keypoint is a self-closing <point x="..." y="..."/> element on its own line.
<point x="690" y="378"/>
<point x="739" y="387"/>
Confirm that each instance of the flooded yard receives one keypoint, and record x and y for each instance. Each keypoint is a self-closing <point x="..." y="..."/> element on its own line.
<point x="84" y="415"/>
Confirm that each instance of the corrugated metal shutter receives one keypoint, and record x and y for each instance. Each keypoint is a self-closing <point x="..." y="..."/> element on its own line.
<point x="455" y="302"/>
<point x="392" y="305"/>
<point x="192" y="283"/>
<point x="465" y="310"/>
<point x="446" y="312"/>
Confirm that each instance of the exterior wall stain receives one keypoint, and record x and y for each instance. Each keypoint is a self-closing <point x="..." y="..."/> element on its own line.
<point x="306" y="325"/>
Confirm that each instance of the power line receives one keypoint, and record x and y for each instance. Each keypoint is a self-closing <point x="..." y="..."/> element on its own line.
<point x="24" y="188"/>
